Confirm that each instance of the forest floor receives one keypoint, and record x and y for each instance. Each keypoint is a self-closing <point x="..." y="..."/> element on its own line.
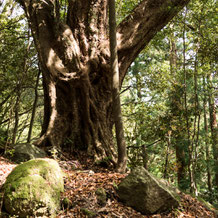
<point x="82" y="183"/>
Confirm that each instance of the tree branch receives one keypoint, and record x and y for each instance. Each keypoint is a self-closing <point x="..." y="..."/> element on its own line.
<point x="136" y="31"/>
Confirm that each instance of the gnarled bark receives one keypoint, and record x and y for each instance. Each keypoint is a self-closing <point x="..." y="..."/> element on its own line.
<point x="75" y="62"/>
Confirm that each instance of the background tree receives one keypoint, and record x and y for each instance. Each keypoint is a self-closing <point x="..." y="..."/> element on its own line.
<point x="18" y="71"/>
<point x="161" y="114"/>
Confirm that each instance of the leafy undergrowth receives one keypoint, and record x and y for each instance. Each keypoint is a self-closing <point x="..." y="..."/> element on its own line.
<point x="81" y="183"/>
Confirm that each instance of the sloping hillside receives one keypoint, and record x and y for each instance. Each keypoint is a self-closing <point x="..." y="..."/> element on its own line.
<point x="81" y="199"/>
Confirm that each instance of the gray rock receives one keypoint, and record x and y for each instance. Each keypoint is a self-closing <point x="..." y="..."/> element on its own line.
<point x="33" y="189"/>
<point x="145" y="193"/>
<point x="26" y="151"/>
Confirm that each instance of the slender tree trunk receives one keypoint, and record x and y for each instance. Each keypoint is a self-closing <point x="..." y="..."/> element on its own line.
<point x="16" y="115"/>
<point x="176" y="107"/>
<point x="209" y="181"/>
<point x="144" y="152"/>
<point x="25" y="125"/>
<point x="18" y="91"/>
<point x="145" y="157"/>
<point x="195" y="137"/>
<point x="8" y="130"/>
<point x="34" y="107"/>
<point x="165" y="175"/>
<point x="191" y="176"/>
<point x="213" y="127"/>
<point x="117" y="114"/>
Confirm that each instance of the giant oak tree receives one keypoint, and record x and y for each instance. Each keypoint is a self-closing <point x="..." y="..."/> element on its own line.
<point x="74" y="57"/>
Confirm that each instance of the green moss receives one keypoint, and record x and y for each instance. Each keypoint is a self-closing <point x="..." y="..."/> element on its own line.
<point x="67" y="203"/>
<point x="206" y="204"/>
<point x="34" y="187"/>
<point x="101" y="196"/>
<point x="46" y="168"/>
<point x="88" y="213"/>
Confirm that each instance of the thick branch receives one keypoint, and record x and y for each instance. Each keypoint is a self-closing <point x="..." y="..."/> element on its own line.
<point x="54" y="40"/>
<point x="135" y="32"/>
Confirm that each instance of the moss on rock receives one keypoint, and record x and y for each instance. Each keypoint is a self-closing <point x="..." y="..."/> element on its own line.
<point x="33" y="188"/>
<point x="88" y="213"/>
<point x="26" y="151"/>
<point x="101" y="196"/>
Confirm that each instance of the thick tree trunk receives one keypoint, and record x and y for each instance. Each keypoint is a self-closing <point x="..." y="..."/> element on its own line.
<point x="81" y="113"/>
<point x="76" y="76"/>
<point x="75" y="62"/>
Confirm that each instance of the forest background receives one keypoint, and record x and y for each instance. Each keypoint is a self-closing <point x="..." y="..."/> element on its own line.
<point x="169" y="97"/>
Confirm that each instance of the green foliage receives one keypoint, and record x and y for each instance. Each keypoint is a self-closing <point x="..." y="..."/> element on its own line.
<point x="18" y="72"/>
<point x="105" y="162"/>
<point x="9" y="153"/>
<point x="67" y="203"/>
<point x="158" y="121"/>
<point x="3" y="137"/>
<point x="123" y="8"/>
<point x="154" y="103"/>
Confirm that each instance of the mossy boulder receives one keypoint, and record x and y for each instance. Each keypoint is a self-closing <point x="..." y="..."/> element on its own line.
<point x="26" y="151"/>
<point x="33" y="189"/>
<point x="146" y="194"/>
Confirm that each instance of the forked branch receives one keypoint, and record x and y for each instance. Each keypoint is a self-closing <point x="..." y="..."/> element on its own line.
<point x="136" y="31"/>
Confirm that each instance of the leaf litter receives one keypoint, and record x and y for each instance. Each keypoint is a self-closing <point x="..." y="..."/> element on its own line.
<point x="81" y="183"/>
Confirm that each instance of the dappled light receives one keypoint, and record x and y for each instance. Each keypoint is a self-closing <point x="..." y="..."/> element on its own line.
<point x="121" y="95"/>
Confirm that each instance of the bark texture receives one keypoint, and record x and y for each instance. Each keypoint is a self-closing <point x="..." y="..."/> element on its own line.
<point x="75" y="61"/>
<point x="117" y="114"/>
